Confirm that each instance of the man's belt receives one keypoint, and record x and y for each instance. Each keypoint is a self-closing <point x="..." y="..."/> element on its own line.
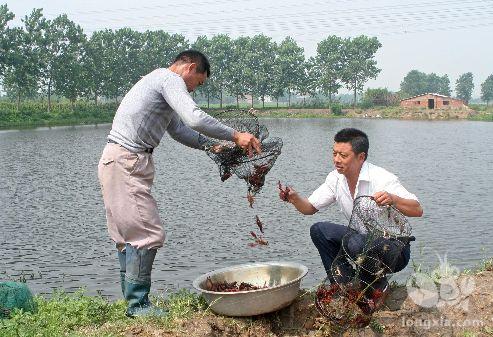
<point x="146" y="150"/>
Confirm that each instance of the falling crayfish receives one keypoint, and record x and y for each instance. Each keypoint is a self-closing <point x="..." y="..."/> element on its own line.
<point x="250" y="198"/>
<point x="259" y="240"/>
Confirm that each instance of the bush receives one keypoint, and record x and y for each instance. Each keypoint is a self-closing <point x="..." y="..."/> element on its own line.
<point x="336" y="109"/>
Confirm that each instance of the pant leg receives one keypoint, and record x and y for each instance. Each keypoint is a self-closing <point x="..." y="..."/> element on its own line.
<point x="327" y="237"/>
<point x="132" y="216"/>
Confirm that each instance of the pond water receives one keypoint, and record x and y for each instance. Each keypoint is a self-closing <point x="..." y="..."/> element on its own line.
<point x="53" y="229"/>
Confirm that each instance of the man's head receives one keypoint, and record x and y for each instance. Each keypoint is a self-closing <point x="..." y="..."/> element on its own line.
<point x="350" y="150"/>
<point x="193" y="67"/>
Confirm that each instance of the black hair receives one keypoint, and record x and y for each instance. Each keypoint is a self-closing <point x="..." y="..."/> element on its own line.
<point x="194" y="56"/>
<point x="357" y="138"/>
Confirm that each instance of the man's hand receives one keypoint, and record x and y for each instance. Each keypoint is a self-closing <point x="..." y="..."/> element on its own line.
<point x="408" y="207"/>
<point x="285" y="192"/>
<point x="383" y="198"/>
<point x="247" y="142"/>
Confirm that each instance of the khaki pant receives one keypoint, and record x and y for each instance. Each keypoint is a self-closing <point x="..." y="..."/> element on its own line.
<point x="131" y="211"/>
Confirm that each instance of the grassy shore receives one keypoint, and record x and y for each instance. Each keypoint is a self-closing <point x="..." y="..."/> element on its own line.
<point x="34" y="114"/>
<point x="80" y="315"/>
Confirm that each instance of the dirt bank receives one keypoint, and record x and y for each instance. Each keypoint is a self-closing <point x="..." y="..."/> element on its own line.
<point x="472" y="315"/>
<point x="388" y="112"/>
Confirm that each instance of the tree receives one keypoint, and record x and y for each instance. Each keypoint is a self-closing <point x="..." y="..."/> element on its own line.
<point x="359" y="63"/>
<point x="67" y="70"/>
<point x="414" y="83"/>
<point x="418" y="83"/>
<point x="464" y="86"/>
<point x="487" y="89"/>
<point x="240" y="74"/>
<point x="437" y="84"/>
<point x="329" y="65"/>
<point x="5" y="37"/>
<point x="219" y="50"/>
<point x="379" y="97"/>
<point x="289" y="68"/>
<point x="261" y="60"/>
<point x="22" y="73"/>
<point x="159" y="49"/>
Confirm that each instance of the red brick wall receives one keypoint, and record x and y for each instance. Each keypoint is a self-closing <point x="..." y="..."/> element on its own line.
<point x="440" y="102"/>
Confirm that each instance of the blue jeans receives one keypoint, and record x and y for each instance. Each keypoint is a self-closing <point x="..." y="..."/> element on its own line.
<point x="328" y="238"/>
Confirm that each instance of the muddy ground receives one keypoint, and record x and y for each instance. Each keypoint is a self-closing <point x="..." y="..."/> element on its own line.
<point x="470" y="314"/>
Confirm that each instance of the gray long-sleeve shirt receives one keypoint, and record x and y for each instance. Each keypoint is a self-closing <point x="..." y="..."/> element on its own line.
<point x="157" y="103"/>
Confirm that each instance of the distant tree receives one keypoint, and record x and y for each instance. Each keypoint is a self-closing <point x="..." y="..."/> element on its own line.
<point x="359" y="63"/>
<point x="379" y="97"/>
<point x="261" y="61"/>
<point x="464" y="86"/>
<point x="291" y="67"/>
<point x="209" y="89"/>
<point x="414" y="83"/>
<point x="438" y="84"/>
<point x="417" y="83"/>
<point x="219" y="50"/>
<point x="95" y="69"/>
<point x="487" y="89"/>
<point x="6" y="40"/>
<point x="22" y="73"/>
<point x="329" y="64"/>
<point x="68" y="71"/>
<point x="127" y="56"/>
<point x="240" y="74"/>
<point x="159" y="49"/>
<point x="308" y="85"/>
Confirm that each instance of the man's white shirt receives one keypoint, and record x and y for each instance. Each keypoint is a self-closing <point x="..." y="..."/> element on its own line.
<point x="371" y="179"/>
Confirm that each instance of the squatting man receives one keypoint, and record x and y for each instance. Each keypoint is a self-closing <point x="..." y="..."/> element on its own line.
<point x="354" y="176"/>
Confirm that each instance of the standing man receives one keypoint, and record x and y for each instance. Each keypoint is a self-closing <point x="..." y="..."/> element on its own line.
<point x="353" y="176"/>
<point x="158" y="103"/>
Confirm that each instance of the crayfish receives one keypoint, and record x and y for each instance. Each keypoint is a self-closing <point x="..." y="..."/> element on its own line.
<point x="283" y="192"/>
<point x="257" y="178"/>
<point x="250" y="199"/>
<point x="259" y="240"/>
<point x="342" y="304"/>
<point x="230" y="286"/>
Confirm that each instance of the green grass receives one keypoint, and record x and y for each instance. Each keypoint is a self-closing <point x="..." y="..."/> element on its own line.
<point x="80" y="315"/>
<point x="35" y="113"/>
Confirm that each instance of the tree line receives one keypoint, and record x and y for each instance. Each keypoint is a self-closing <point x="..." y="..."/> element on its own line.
<point x="44" y="57"/>
<point x="417" y="82"/>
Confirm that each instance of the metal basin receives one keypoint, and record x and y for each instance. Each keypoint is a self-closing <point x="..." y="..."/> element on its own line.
<point x="282" y="278"/>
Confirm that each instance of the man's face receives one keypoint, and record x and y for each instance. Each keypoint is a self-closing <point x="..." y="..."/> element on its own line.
<point x="345" y="160"/>
<point x="192" y="78"/>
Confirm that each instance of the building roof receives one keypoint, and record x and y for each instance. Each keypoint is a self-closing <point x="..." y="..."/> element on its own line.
<point x="430" y="93"/>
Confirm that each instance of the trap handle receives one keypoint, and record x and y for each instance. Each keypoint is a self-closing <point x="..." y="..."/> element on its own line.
<point x="406" y="239"/>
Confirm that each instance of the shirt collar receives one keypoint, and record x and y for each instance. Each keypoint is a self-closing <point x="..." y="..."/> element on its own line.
<point x="364" y="173"/>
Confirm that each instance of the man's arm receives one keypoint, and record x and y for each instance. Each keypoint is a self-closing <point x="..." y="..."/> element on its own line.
<point x="184" y="134"/>
<point x="408" y="207"/>
<point x="176" y="95"/>
<point x="302" y="204"/>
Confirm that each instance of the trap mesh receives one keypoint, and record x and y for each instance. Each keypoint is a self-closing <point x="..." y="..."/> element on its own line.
<point x="370" y="250"/>
<point x="233" y="160"/>
<point x="15" y="295"/>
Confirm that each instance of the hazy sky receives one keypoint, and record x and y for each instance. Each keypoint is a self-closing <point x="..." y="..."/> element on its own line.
<point x="445" y="37"/>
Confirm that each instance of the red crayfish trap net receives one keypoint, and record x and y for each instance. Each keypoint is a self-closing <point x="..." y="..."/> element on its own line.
<point x="233" y="160"/>
<point x="372" y="248"/>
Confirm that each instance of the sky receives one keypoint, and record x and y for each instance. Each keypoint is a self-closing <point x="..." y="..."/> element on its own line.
<point x="445" y="37"/>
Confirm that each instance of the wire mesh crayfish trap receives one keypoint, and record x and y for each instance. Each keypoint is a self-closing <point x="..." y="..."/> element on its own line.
<point x="233" y="160"/>
<point x="373" y="247"/>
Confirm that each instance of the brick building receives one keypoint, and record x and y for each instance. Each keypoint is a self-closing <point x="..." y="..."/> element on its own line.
<point x="432" y="101"/>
